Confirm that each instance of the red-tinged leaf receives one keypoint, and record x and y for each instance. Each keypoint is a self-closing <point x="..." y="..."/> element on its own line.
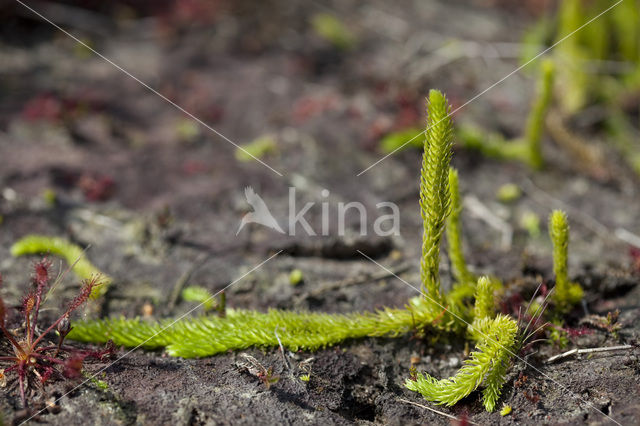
<point x="106" y="352"/>
<point x="580" y="331"/>
<point x="85" y="292"/>
<point x="41" y="274"/>
<point x="96" y="188"/>
<point x="48" y="372"/>
<point x="28" y="303"/>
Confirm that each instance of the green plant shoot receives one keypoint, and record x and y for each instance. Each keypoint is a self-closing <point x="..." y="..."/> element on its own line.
<point x="199" y="295"/>
<point x="434" y="192"/>
<point x="566" y="293"/>
<point x="488" y="363"/>
<point x="71" y="253"/>
<point x="454" y="233"/>
<point x="240" y="329"/>
<point x="537" y="114"/>
<point x="332" y="29"/>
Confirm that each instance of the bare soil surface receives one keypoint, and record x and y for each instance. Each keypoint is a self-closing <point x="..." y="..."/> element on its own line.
<point x="159" y="200"/>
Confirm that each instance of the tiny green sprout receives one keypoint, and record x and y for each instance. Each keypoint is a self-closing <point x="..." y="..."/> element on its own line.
<point x="255" y="368"/>
<point x="73" y="254"/>
<point x="396" y="140"/>
<point x="508" y="193"/>
<point x="558" y="336"/>
<point x="258" y="148"/>
<point x="295" y="277"/>
<point x="333" y="30"/>
<point x="566" y="293"/>
<point x="199" y="295"/>
<point x="187" y="130"/>
<point x="531" y="223"/>
<point x="506" y="410"/>
<point x="206" y="298"/>
<point x="611" y="324"/>
<point x="305" y="369"/>
<point x="50" y="197"/>
<point x="100" y="384"/>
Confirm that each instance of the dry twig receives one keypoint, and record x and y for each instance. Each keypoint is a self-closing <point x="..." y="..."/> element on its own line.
<point x="588" y="351"/>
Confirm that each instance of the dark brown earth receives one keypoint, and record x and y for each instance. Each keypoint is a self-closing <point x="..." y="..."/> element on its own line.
<point x="72" y="123"/>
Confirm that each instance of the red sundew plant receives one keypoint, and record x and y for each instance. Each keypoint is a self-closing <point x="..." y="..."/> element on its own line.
<point x="36" y="359"/>
<point x="577" y="331"/>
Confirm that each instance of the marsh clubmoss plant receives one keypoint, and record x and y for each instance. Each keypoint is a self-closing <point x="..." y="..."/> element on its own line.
<point x="497" y="340"/>
<point x="454" y="233"/>
<point x="594" y="34"/>
<point x="73" y="254"/>
<point x="535" y="121"/>
<point x="486" y="366"/>
<point x="566" y="293"/>
<point x="240" y="329"/>
<point x="467" y="310"/>
<point x="526" y="149"/>
<point x="434" y="193"/>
